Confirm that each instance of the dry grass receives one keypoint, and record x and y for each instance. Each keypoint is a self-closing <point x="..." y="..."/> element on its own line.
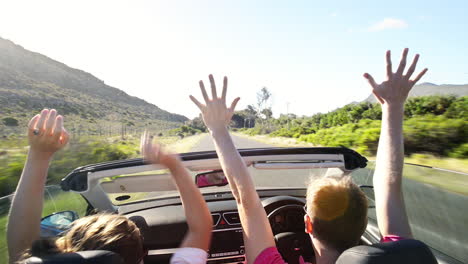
<point x="277" y="141"/>
<point x="182" y="145"/>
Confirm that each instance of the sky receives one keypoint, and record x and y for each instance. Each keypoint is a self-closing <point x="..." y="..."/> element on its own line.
<point x="310" y="54"/>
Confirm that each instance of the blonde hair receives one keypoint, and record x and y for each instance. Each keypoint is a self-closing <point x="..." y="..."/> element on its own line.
<point x="97" y="232"/>
<point x="338" y="211"/>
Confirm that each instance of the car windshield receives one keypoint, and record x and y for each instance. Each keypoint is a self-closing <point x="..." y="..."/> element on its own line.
<point x="263" y="179"/>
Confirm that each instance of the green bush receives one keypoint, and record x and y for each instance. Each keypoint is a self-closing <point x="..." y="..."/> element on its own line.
<point x="184" y="131"/>
<point x="10" y="121"/>
<point x="434" y="134"/>
<point x="293" y="132"/>
<point x="254" y="131"/>
<point x="363" y="135"/>
<point x="437" y="135"/>
<point x="460" y="152"/>
<point x="458" y="109"/>
<point x="368" y="141"/>
<point x="293" y="126"/>
<point x="434" y="105"/>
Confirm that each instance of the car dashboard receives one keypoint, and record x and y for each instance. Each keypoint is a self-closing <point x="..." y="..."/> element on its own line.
<point x="164" y="227"/>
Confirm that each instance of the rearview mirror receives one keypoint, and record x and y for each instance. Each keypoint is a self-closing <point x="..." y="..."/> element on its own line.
<point x="211" y="178"/>
<point x="56" y="223"/>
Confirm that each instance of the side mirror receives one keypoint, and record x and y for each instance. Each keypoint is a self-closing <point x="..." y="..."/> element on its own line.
<point x="56" y="223"/>
<point x="211" y="178"/>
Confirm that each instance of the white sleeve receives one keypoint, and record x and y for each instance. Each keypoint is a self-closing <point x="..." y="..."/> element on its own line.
<point x="189" y="255"/>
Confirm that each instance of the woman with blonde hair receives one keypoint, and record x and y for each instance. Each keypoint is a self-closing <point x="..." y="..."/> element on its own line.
<point x="103" y="231"/>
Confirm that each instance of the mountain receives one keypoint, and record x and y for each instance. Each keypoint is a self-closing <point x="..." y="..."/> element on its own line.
<point x="425" y="89"/>
<point x="30" y="81"/>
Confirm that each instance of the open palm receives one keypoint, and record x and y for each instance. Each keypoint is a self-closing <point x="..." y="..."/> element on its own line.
<point x="154" y="153"/>
<point x="397" y="86"/>
<point x="46" y="133"/>
<point x="215" y="112"/>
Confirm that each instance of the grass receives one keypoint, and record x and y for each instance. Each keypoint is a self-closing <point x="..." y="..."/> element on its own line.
<point x="182" y="145"/>
<point x="55" y="201"/>
<point x="276" y="141"/>
<point x="3" y="245"/>
<point x="454" y="182"/>
<point x="460" y="165"/>
<point x="171" y="143"/>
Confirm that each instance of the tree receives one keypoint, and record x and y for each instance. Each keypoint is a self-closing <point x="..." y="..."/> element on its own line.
<point x="197" y="123"/>
<point x="238" y="119"/>
<point x="263" y="105"/>
<point x="267" y="113"/>
<point x="262" y="99"/>
<point x="251" y="111"/>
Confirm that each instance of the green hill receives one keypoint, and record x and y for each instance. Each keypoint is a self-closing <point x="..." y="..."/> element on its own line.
<point x="30" y="81"/>
<point x="425" y="89"/>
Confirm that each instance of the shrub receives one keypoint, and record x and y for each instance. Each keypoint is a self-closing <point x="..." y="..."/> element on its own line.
<point x="460" y="152"/>
<point x="458" y="109"/>
<point x="10" y="121"/>
<point x="430" y="134"/>
<point x="434" y="134"/>
<point x="184" y="131"/>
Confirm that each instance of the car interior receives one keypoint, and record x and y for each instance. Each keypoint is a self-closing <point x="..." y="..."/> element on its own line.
<point x="160" y="216"/>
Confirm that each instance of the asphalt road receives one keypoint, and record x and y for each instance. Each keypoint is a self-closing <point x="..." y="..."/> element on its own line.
<point x="206" y="143"/>
<point x="438" y="217"/>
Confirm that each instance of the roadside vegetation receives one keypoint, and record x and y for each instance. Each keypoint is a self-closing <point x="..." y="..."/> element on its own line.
<point x="80" y="151"/>
<point x="434" y="125"/>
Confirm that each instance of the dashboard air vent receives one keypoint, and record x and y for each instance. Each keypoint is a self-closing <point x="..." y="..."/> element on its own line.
<point x="216" y="218"/>
<point x="232" y="218"/>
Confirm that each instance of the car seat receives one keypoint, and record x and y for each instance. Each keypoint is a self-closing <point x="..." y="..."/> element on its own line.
<point x="402" y="252"/>
<point x="81" y="257"/>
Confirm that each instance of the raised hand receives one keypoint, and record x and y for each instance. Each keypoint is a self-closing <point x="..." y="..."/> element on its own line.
<point x="215" y="112"/>
<point x="46" y="136"/>
<point x="396" y="88"/>
<point x="46" y="133"/>
<point x="153" y="152"/>
<point x="199" y="220"/>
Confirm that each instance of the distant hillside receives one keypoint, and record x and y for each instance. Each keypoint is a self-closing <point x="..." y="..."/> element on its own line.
<point x="30" y="81"/>
<point x="425" y="89"/>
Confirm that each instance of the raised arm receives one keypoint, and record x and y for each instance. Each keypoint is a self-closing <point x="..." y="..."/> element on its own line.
<point x="46" y="136"/>
<point x="216" y="115"/>
<point x="198" y="216"/>
<point x="391" y="94"/>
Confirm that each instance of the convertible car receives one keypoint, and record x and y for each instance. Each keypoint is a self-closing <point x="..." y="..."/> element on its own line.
<point x="146" y="194"/>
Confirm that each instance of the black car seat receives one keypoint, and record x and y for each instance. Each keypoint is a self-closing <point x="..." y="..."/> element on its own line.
<point x="401" y="252"/>
<point x="81" y="257"/>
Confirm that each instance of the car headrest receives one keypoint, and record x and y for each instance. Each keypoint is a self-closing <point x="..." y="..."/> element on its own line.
<point x="401" y="252"/>
<point x="81" y="257"/>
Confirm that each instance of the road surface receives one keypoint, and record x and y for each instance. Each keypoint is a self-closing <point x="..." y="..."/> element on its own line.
<point x="206" y="143"/>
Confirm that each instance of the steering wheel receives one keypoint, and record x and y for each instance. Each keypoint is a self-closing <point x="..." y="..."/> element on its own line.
<point x="291" y="245"/>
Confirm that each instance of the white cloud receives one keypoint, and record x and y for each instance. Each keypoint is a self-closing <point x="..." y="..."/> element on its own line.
<point x="388" y="23"/>
<point x="334" y="14"/>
